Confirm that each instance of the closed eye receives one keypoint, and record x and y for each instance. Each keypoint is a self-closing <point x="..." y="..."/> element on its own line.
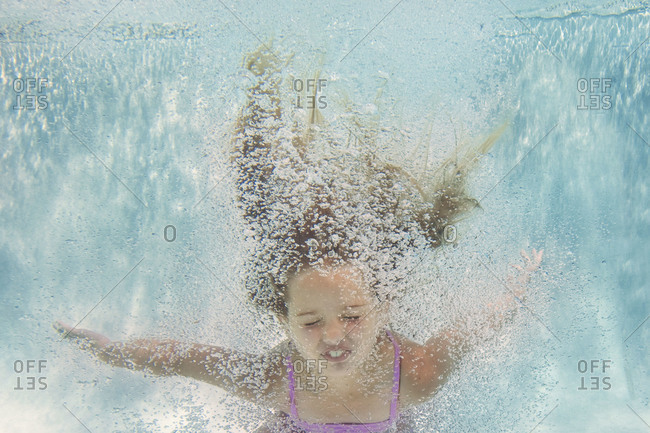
<point x="350" y="318"/>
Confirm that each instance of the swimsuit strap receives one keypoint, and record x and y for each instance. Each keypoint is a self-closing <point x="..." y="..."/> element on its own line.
<point x="396" y="369"/>
<point x="294" y="411"/>
<point x="396" y="381"/>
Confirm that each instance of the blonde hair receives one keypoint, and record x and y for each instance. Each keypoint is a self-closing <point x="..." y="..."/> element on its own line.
<point x="340" y="209"/>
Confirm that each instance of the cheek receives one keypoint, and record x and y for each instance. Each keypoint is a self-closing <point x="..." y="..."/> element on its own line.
<point x="365" y="331"/>
<point x="368" y="323"/>
<point x="307" y="336"/>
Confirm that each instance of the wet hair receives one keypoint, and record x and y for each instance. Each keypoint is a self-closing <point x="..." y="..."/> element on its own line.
<point x="316" y="211"/>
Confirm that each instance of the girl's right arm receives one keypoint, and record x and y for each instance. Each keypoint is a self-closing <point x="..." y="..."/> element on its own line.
<point x="248" y="376"/>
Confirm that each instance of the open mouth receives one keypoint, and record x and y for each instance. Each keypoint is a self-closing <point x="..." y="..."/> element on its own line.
<point x="336" y="355"/>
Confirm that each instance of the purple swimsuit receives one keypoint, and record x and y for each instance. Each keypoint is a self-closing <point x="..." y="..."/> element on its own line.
<point x="374" y="427"/>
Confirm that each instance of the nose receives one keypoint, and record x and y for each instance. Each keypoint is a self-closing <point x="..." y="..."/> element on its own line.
<point x="333" y="332"/>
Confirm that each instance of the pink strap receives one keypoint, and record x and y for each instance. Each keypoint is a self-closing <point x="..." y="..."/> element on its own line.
<point x="294" y="411"/>
<point x="396" y="368"/>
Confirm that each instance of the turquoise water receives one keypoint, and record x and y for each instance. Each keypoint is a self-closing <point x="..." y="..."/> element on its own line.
<point x="117" y="209"/>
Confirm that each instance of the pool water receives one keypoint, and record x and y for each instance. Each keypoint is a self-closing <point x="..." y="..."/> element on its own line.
<point x="117" y="208"/>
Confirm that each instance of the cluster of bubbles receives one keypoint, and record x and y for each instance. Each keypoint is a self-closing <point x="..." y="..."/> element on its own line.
<point x="311" y="203"/>
<point x="332" y="210"/>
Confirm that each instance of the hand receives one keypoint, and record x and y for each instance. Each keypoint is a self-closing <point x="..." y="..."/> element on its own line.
<point x="531" y="265"/>
<point x="264" y="59"/>
<point x="85" y="338"/>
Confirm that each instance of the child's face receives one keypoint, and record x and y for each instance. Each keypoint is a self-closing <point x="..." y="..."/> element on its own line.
<point x="334" y="317"/>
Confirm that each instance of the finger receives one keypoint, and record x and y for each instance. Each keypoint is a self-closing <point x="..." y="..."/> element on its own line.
<point x="60" y="326"/>
<point x="71" y="332"/>
<point x="519" y="293"/>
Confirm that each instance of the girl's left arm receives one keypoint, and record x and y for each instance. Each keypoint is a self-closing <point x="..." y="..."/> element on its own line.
<point x="442" y="352"/>
<point x="503" y="309"/>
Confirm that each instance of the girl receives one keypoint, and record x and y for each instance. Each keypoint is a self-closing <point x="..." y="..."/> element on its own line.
<point x="335" y="235"/>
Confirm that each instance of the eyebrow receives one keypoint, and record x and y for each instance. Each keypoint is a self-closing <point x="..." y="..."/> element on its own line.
<point x="349" y="307"/>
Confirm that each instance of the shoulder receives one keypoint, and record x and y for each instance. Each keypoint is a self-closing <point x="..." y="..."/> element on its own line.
<point x="418" y="372"/>
<point x="276" y="393"/>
